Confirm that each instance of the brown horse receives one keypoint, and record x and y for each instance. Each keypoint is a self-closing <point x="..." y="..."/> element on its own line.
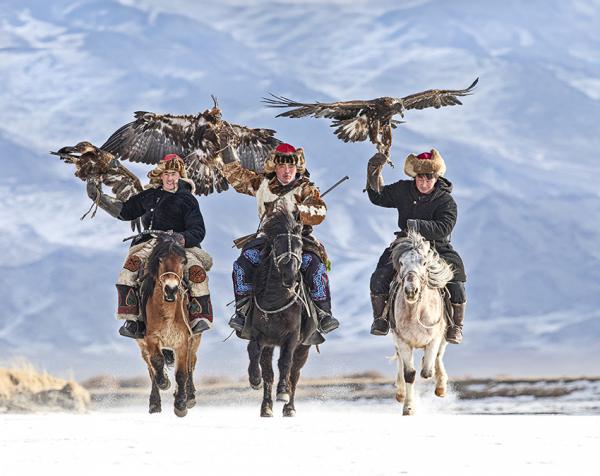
<point x="164" y="307"/>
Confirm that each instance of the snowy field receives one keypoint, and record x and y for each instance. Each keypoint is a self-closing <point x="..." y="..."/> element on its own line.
<point x="331" y="438"/>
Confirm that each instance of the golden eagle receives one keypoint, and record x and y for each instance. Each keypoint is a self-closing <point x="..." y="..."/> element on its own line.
<point x="204" y="141"/>
<point x="372" y="119"/>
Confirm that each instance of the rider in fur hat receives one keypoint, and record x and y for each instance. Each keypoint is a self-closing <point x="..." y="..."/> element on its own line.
<point x="284" y="180"/>
<point x="424" y="205"/>
<point x="167" y="204"/>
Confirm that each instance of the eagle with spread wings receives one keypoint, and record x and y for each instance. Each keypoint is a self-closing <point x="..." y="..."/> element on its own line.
<point x="369" y="119"/>
<point x="204" y="141"/>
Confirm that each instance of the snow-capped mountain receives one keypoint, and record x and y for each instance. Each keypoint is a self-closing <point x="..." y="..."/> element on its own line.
<point x="521" y="153"/>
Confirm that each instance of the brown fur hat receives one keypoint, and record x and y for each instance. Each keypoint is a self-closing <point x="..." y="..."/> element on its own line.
<point x="286" y="154"/>
<point x="425" y="163"/>
<point x="169" y="162"/>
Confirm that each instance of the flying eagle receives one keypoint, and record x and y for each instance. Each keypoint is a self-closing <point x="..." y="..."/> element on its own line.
<point x="100" y="167"/>
<point x="373" y="119"/>
<point x="204" y="141"/>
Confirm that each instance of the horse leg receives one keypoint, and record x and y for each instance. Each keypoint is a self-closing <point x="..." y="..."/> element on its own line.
<point x="157" y="362"/>
<point x="154" y="404"/>
<point x="430" y="354"/>
<point x="406" y="353"/>
<point x="400" y="383"/>
<point x="441" y="377"/>
<point x="190" y="389"/>
<point x="286" y="356"/>
<point x="254" y="352"/>
<point x="181" y="377"/>
<point x="300" y="358"/>
<point x="266" y="364"/>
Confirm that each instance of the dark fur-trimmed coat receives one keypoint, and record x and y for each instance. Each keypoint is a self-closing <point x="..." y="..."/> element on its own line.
<point x="435" y="214"/>
<point x="178" y="211"/>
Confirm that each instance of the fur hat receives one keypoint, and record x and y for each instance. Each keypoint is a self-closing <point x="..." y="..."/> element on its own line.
<point x="425" y="163"/>
<point x="169" y="162"/>
<point x="286" y="154"/>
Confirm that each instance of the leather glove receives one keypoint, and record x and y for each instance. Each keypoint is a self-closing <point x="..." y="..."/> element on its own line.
<point x="412" y="225"/>
<point x="110" y="205"/>
<point x="179" y="238"/>
<point x="374" y="168"/>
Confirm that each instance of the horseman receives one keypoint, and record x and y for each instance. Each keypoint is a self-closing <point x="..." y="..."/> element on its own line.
<point x="284" y="181"/>
<point x="425" y="205"/>
<point x="169" y="205"/>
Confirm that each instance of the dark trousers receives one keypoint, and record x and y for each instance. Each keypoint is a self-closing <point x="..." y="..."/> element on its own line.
<point x="312" y="268"/>
<point x="385" y="272"/>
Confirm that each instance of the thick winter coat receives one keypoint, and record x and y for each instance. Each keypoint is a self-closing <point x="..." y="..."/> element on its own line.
<point x="435" y="215"/>
<point x="162" y="210"/>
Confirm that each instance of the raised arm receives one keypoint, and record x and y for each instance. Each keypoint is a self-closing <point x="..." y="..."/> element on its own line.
<point x="243" y="180"/>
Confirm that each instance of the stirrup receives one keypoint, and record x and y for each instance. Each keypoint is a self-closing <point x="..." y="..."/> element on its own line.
<point x="237" y="322"/>
<point x="200" y="326"/>
<point x="133" y="329"/>
<point x="380" y="327"/>
<point x="328" y="323"/>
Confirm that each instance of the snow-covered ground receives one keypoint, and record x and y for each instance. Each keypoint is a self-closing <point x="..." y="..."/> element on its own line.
<point x="325" y="438"/>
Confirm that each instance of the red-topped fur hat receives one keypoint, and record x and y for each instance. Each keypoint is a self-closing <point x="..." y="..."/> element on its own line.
<point x="170" y="162"/>
<point x="286" y="154"/>
<point x="425" y="163"/>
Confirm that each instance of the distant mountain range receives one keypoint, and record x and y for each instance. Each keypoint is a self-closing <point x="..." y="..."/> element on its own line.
<point x="521" y="153"/>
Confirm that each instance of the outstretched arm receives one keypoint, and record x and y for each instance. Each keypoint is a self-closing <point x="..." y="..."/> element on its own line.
<point x="111" y="205"/>
<point x="243" y="180"/>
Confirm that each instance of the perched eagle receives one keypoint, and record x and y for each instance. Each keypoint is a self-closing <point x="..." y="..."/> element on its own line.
<point x="203" y="141"/>
<point x="100" y="167"/>
<point x="361" y="120"/>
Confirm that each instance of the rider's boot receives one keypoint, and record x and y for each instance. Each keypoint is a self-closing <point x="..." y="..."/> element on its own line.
<point x="381" y="325"/>
<point x="200" y="314"/>
<point x="327" y="322"/>
<point x="238" y="321"/>
<point x="129" y="309"/>
<point x="454" y="332"/>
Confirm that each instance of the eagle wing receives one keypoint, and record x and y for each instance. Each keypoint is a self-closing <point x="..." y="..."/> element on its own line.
<point x="152" y="136"/>
<point x="437" y="97"/>
<point x="351" y="119"/>
<point x="252" y="146"/>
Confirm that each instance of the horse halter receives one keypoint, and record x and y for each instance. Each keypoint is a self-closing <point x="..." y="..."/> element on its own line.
<point x="288" y="253"/>
<point x="179" y="280"/>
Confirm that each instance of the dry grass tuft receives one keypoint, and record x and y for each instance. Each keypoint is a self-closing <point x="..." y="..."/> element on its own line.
<point x="24" y="389"/>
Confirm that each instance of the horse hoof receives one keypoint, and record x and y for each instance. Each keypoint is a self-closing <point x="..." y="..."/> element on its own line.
<point x="181" y="412"/>
<point x="283" y="397"/>
<point x="256" y="386"/>
<point x="154" y="409"/>
<point x="407" y="411"/>
<point x="289" y="412"/>
<point x="266" y="412"/>
<point x="191" y="403"/>
<point x="440" y="392"/>
<point x="163" y="383"/>
<point x="426" y="373"/>
<point x="399" y="398"/>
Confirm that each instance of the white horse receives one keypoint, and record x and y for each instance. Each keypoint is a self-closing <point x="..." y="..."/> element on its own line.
<point x="419" y="320"/>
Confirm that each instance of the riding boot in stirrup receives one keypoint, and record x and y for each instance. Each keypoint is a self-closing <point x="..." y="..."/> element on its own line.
<point x="238" y="321"/>
<point x="327" y="322"/>
<point x="454" y="331"/>
<point x="128" y="308"/>
<point x="381" y="325"/>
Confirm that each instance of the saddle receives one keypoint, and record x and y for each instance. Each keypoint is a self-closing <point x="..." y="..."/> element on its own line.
<point x="309" y="335"/>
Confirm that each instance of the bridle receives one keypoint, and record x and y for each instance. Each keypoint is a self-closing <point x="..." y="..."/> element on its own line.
<point x="277" y="259"/>
<point x="423" y="283"/>
<point x="161" y="279"/>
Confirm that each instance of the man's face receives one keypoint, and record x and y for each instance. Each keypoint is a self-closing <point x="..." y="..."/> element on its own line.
<point x="425" y="182"/>
<point x="285" y="173"/>
<point x="169" y="180"/>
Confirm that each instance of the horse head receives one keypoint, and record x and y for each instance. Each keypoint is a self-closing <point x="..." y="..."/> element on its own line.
<point x="410" y="257"/>
<point x="166" y="263"/>
<point x="284" y="235"/>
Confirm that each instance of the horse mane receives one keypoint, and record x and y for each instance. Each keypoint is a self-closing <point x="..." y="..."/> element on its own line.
<point x="279" y="221"/>
<point x="438" y="271"/>
<point x="165" y="246"/>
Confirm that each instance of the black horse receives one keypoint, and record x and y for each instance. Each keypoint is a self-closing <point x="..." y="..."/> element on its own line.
<point x="277" y="312"/>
